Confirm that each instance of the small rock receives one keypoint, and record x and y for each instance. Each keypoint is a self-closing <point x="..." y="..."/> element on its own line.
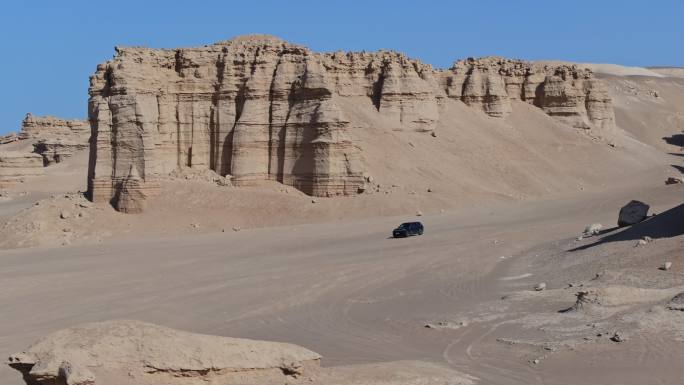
<point x="666" y="266"/>
<point x="674" y="180"/>
<point x="411" y="144"/>
<point x="677" y="302"/>
<point x="618" y="337"/>
<point x="429" y="190"/>
<point x="641" y="242"/>
<point x="433" y="134"/>
<point x="647" y="239"/>
<point x="593" y="229"/>
<point x="314" y="201"/>
<point x="419" y="213"/>
<point x="236" y="228"/>
<point x="535" y="361"/>
<point x="195" y="225"/>
<point x="540" y="286"/>
<point x="65" y="215"/>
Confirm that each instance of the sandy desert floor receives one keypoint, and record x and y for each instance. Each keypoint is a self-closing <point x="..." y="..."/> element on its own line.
<point x="351" y="293"/>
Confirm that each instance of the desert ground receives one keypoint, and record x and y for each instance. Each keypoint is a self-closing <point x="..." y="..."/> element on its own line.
<point x="505" y="211"/>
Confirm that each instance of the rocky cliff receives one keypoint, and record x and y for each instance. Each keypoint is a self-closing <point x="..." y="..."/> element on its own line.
<point x="259" y="108"/>
<point x="566" y="92"/>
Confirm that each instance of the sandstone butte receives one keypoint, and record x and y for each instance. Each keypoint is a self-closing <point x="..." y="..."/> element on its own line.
<point x="126" y="352"/>
<point x="258" y="108"/>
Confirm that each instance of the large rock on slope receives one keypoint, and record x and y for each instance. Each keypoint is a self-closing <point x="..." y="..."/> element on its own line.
<point x="632" y="213"/>
<point x="259" y="108"/>
<point x="132" y="352"/>
<point x="17" y="166"/>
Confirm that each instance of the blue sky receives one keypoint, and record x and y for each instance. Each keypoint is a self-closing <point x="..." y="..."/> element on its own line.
<point x="49" y="48"/>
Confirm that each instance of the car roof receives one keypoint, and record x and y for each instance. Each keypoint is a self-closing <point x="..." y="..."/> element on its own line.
<point x="411" y="223"/>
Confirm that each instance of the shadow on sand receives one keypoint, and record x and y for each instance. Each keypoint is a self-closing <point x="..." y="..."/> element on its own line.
<point x="675" y="140"/>
<point x="664" y="225"/>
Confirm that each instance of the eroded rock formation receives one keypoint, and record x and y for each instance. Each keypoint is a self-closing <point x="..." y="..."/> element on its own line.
<point x="39" y="127"/>
<point x="132" y="352"/>
<point x="564" y="91"/>
<point x="17" y="166"/>
<point x="55" y="139"/>
<point x="258" y="108"/>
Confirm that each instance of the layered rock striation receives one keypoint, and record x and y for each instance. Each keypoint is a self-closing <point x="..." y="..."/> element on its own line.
<point x="258" y="108"/>
<point x="16" y="167"/>
<point x="39" y="127"/>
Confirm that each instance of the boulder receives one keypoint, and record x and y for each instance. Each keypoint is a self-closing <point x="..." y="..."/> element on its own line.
<point x="674" y="180"/>
<point x="632" y="213"/>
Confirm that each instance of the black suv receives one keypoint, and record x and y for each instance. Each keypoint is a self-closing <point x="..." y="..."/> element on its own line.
<point x="407" y="229"/>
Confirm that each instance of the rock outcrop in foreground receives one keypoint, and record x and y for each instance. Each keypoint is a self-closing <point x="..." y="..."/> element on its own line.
<point x="259" y="108"/>
<point x="132" y="352"/>
<point x="17" y="166"/>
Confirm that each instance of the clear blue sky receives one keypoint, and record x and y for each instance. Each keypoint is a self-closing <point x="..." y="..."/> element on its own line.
<point x="49" y="48"/>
